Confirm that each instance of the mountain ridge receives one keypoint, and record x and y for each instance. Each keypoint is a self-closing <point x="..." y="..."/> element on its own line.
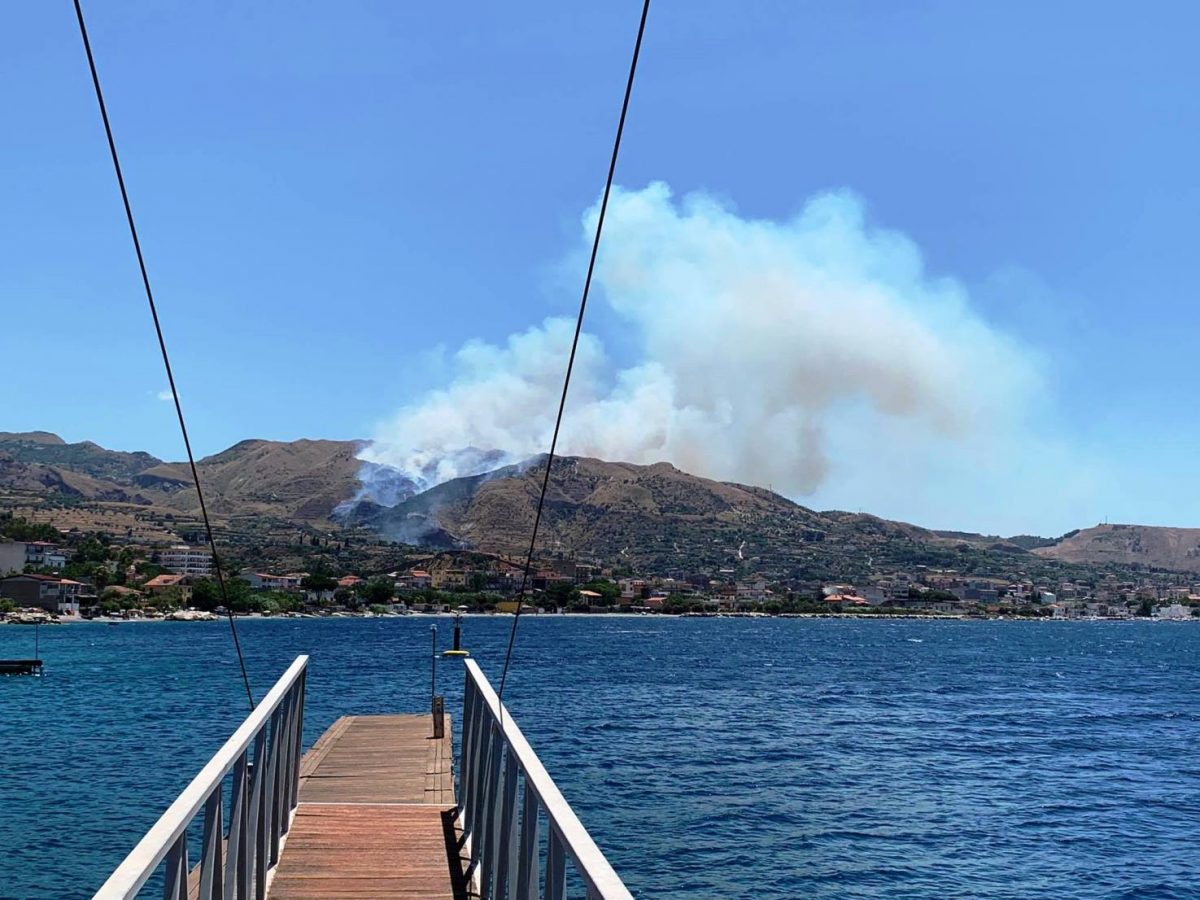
<point x="653" y="515"/>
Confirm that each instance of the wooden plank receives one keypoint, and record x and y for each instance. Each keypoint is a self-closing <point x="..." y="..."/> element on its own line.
<point x="317" y="751"/>
<point x="376" y="815"/>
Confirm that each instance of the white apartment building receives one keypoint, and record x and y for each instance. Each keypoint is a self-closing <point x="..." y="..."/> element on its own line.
<point x="185" y="560"/>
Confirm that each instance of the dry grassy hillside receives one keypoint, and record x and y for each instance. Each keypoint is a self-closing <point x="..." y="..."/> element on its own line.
<point x="1165" y="548"/>
<point x="302" y="480"/>
<point x="653" y="517"/>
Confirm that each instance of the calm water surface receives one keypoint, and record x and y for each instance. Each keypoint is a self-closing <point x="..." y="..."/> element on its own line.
<point x="709" y="758"/>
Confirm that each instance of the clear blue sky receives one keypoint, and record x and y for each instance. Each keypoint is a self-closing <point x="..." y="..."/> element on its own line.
<point x="327" y="193"/>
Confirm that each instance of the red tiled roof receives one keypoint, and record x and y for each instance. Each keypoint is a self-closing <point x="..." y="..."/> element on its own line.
<point x="164" y="581"/>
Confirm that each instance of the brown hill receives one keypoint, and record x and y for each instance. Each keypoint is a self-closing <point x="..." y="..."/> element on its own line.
<point x="1177" y="549"/>
<point x="34" y="479"/>
<point x="30" y="437"/>
<point x="44" y="448"/>
<point x="302" y="480"/>
<point x="656" y="518"/>
<point x="298" y="480"/>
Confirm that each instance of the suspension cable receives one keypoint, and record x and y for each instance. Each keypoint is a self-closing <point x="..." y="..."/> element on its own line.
<point x="162" y="345"/>
<point x="562" y="402"/>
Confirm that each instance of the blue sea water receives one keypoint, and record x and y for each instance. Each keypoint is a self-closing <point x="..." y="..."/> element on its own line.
<point x="709" y="758"/>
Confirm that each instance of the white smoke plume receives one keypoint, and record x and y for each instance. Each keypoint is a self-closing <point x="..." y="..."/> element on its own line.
<point x="749" y="348"/>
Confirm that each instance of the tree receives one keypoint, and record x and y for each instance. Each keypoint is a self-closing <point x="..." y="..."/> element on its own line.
<point x="677" y="603"/>
<point x="167" y="599"/>
<point x="113" y="600"/>
<point x="609" y="593"/>
<point x="18" y="529"/>
<point x="6" y="605"/>
<point x="206" y="594"/>
<point x="561" y="593"/>
<point x="319" y="579"/>
<point x="147" y="570"/>
<point x="378" y="591"/>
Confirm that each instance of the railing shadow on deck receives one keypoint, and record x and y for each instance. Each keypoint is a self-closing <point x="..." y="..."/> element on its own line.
<point x="263" y="756"/>
<point x="505" y="793"/>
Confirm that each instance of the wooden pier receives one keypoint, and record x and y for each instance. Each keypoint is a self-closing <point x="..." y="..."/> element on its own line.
<point x="376" y="815"/>
<point x="369" y="812"/>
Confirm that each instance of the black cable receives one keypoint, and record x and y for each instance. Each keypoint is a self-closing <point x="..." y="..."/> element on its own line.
<point x="587" y="286"/>
<point x="162" y="344"/>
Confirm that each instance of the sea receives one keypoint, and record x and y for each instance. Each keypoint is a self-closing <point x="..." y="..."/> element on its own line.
<point x="709" y="758"/>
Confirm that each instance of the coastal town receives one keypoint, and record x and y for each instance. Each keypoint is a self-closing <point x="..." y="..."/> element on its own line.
<point x="47" y="574"/>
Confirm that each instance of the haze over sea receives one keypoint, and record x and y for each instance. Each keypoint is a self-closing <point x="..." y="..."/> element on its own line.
<point x="709" y="758"/>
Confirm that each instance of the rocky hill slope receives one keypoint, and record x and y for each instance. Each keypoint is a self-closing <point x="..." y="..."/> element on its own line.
<point x="653" y="517"/>
<point x="1177" y="549"/>
<point x="302" y="480"/>
<point x="659" y="518"/>
<point x="293" y="480"/>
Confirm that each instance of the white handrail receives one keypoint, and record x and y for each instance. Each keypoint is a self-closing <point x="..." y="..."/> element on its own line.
<point x="602" y="880"/>
<point x="171" y="827"/>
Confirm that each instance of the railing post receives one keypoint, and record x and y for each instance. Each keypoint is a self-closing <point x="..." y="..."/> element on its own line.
<point x="212" y="881"/>
<point x="257" y="831"/>
<point x="237" y="869"/>
<point x="506" y="851"/>
<point x="527" y="855"/>
<point x="282" y="742"/>
<point x="479" y="789"/>
<point x="490" y="811"/>
<point x="270" y="782"/>
<point x="478" y="732"/>
<point x="299" y="739"/>
<point x="483" y="754"/>
<point x="175" y="883"/>
<point x="465" y="771"/>
<point x="556" y="870"/>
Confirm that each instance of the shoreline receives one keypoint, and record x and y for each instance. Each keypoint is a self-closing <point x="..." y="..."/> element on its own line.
<point x="923" y="617"/>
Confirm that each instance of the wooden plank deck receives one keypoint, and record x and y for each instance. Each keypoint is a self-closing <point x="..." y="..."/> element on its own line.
<point x="376" y="815"/>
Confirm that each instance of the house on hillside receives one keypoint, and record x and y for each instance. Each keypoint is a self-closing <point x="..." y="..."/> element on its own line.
<point x="752" y="590"/>
<point x="35" y="552"/>
<point x="414" y="580"/>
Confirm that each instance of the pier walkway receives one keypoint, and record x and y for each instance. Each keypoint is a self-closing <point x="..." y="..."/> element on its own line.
<point x="376" y="815"/>
<point x="370" y="811"/>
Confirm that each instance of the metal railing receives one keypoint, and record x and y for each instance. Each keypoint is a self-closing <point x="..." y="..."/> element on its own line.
<point x="504" y="793"/>
<point x="234" y="860"/>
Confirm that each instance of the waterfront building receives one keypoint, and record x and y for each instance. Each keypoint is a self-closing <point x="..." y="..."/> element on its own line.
<point x="185" y="560"/>
<point x="160" y="584"/>
<point x="265" y="581"/>
<point x="55" y="595"/>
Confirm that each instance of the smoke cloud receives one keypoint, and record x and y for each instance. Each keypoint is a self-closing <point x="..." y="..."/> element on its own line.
<point x="782" y="353"/>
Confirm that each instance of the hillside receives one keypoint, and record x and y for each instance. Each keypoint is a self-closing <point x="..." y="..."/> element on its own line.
<point x="298" y="480"/>
<point x="657" y="517"/>
<point x="302" y="480"/>
<point x="43" y="448"/>
<point x="1177" y="549"/>
<point x="653" y="518"/>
